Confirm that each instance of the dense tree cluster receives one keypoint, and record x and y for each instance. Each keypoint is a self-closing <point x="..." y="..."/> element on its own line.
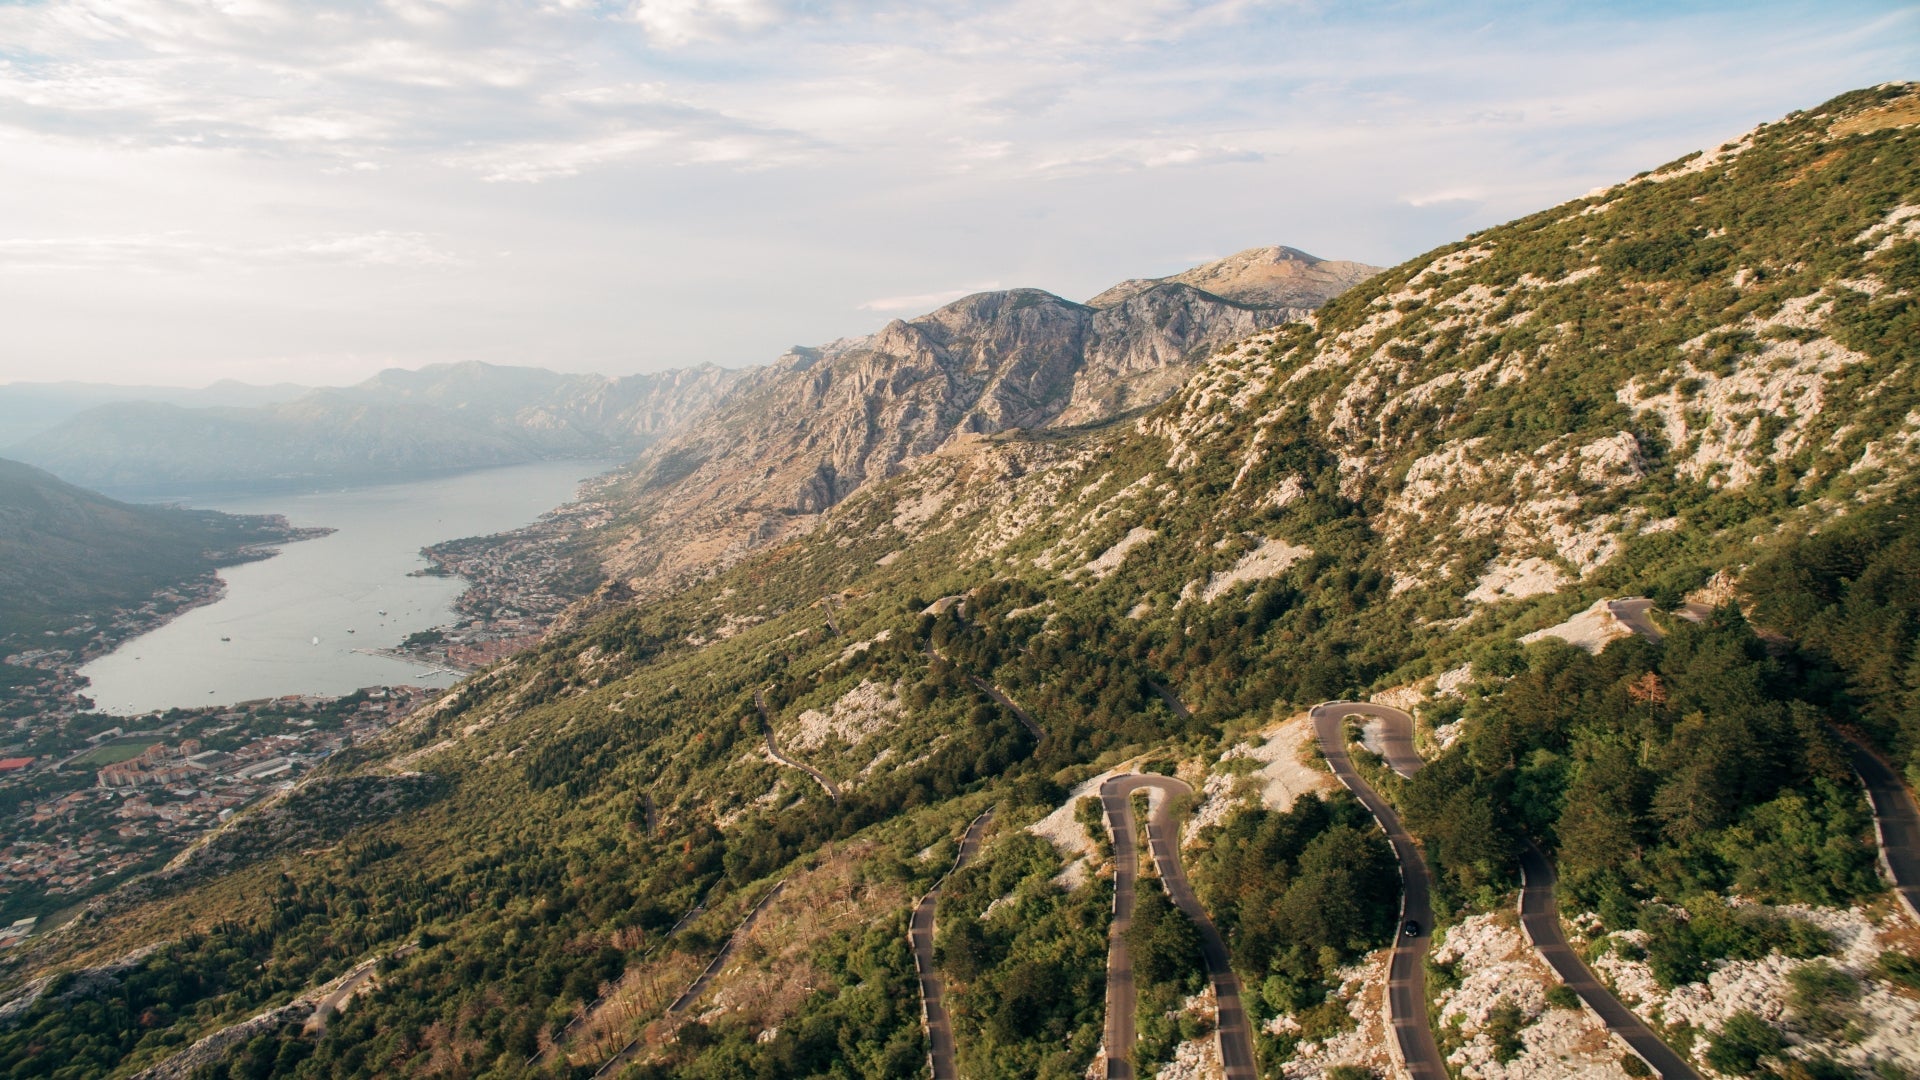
<point x="1026" y="980"/>
<point x="1849" y="596"/>
<point x="1299" y="894"/>
<point x="1679" y="769"/>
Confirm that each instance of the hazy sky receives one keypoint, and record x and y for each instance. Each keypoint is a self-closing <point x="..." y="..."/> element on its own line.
<point x="295" y="190"/>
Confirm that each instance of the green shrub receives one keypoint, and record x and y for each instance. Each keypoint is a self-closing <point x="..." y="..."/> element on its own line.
<point x="1684" y="950"/>
<point x="1741" y="1042"/>
<point x="1504" y="1025"/>
<point x="1822" y="997"/>
<point x="1899" y="968"/>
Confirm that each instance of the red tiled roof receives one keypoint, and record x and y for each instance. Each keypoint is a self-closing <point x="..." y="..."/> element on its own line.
<point x="14" y="764"/>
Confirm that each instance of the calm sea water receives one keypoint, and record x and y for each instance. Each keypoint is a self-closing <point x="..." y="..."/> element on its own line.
<point x="349" y="591"/>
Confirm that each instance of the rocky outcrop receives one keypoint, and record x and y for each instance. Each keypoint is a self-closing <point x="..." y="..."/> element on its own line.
<point x="1266" y="276"/>
<point x="214" y="1048"/>
<point x="85" y="983"/>
<point x="795" y="438"/>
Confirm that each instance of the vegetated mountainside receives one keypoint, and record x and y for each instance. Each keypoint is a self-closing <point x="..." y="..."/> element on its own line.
<point x="1699" y="378"/>
<point x="68" y="555"/>
<point x="449" y="416"/>
<point x="795" y="438"/>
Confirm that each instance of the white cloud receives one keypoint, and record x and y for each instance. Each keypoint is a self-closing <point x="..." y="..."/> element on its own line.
<point x="680" y="22"/>
<point x="257" y="177"/>
<point x="374" y="249"/>
<point x="165" y="252"/>
<point x="920" y="303"/>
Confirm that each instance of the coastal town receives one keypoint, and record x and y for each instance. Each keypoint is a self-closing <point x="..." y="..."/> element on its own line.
<point x="90" y="800"/>
<point x="143" y="790"/>
<point x="519" y="584"/>
<point x="40" y="681"/>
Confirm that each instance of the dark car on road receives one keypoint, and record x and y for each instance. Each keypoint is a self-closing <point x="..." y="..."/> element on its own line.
<point x="1412" y="928"/>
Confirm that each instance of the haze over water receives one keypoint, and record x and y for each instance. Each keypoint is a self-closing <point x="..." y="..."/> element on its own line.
<point x="274" y="609"/>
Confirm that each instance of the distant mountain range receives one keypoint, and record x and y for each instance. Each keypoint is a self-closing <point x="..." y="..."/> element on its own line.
<point x="440" y="418"/>
<point x="29" y="408"/>
<point x="1020" y="358"/>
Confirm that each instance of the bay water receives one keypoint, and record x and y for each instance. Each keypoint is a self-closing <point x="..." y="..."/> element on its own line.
<point x="309" y="619"/>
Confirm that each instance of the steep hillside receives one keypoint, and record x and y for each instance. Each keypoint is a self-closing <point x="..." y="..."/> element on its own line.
<point x="69" y="556"/>
<point x="1664" y="389"/>
<point x="796" y="438"/>
<point x="452" y="416"/>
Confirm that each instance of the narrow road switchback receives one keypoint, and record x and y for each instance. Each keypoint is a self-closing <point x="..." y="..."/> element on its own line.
<point x="1163" y="837"/>
<point x="1406" y="973"/>
<point x="999" y="696"/>
<point x="699" y="985"/>
<point x="933" y="1005"/>
<point x="766" y="728"/>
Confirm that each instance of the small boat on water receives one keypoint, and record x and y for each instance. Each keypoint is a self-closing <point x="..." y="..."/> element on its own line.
<point x="316" y="641"/>
<point x="224" y="637"/>
<point x="349" y="629"/>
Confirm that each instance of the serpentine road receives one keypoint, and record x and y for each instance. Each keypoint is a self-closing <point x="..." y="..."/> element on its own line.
<point x="1235" y="1038"/>
<point x="999" y="696"/>
<point x="1895" y="820"/>
<point x="1540" y="918"/>
<point x="766" y="727"/>
<point x="1406" y="974"/>
<point x="933" y="1006"/>
<point x="1539" y="911"/>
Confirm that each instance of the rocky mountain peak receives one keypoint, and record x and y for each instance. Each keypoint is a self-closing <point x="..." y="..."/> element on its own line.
<point x="792" y="439"/>
<point x="1273" y="276"/>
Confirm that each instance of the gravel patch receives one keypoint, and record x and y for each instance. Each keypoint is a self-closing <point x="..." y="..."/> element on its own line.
<point x="1271" y="559"/>
<point x="860" y="712"/>
<point x="1103" y="565"/>
<point x="1496" y="965"/>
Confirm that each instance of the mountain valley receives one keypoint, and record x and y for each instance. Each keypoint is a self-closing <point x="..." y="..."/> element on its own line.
<point x="1586" y="539"/>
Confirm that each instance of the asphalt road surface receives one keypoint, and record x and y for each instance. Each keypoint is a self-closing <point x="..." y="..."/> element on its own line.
<point x="323" y="1011"/>
<point x="1406" y="973"/>
<point x="1635" y="613"/>
<point x="766" y="727"/>
<point x="1895" y="819"/>
<point x="1163" y="836"/>
<point x="999" y="697"/>
<point x="1540" y="918"/>
<point x="920" y="932"/>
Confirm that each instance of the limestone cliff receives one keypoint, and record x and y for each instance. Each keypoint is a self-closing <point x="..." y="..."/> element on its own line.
<point x="795" y="438"/>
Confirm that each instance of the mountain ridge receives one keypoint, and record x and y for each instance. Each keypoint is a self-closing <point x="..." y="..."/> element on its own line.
<point x="68" y="555"/>
<point x="398" y="422"/>
<point x="759" y="469"/>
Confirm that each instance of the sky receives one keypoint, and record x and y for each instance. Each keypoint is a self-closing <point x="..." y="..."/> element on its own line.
<point x="304" y="191"/>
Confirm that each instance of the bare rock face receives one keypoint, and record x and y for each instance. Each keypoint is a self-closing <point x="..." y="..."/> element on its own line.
<point x="790" y="440"/>
<point x="1267" y="276"/>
